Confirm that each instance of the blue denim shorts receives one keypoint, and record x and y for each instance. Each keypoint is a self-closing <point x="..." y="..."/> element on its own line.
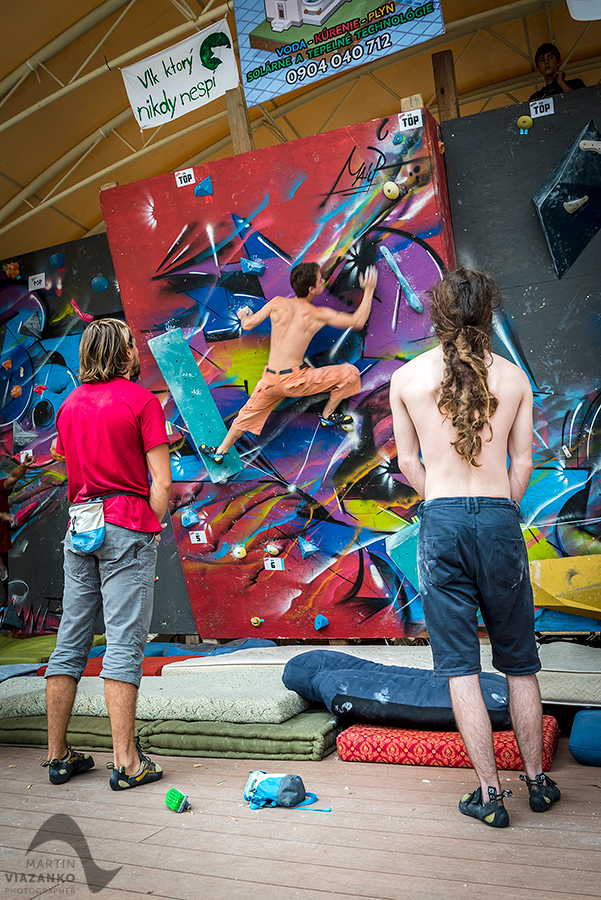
<point x="471" y="554"/>
<point x="120" y="577"/>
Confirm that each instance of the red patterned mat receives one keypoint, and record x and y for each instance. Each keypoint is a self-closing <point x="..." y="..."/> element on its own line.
<point x="409" y="747"/>
<point x="151" y="665"/>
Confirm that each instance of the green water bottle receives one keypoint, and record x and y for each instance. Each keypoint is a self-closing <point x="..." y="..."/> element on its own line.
<point x="177" y="801"/>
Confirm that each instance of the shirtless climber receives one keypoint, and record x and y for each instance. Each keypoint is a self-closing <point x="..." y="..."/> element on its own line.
<point x="294" y="321"/>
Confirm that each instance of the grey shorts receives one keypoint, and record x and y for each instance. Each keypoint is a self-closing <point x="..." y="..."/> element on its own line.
<point x="471" y="554"/>
<point x="120" y="576"/>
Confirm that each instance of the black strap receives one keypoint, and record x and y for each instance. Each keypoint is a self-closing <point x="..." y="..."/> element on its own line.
<point x="114" y="494"/>
<point x="287" y="371"/>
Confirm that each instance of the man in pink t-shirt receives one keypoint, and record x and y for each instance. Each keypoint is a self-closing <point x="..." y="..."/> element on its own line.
<point x="112" y="436"/>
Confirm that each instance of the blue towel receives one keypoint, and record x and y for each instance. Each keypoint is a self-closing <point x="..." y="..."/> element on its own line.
<point x="14" y="669"/>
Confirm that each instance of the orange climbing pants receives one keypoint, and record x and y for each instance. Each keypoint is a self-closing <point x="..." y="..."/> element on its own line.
<point x="340" y="381"/>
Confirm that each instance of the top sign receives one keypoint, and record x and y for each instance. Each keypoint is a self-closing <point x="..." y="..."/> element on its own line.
<point x="542" y="107"/>
<point x="284" y="44"/>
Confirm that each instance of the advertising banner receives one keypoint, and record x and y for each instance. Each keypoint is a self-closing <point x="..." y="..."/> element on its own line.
<point x="284" y="44"/>
<point x="183" y="77"/>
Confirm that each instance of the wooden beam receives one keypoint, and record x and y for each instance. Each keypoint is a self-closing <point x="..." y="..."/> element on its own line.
<point x="416" y="101"/>
<point x="446" y="85"/>
<point x="237" y="113"/>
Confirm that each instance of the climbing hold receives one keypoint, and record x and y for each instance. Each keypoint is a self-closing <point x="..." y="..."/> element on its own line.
<point x="40" y="388"/>
<point x="252" y="266"/>
<point x="256" y="621"/>
<point x="272" y="548"/>
<point x="204" y="188"/>
<point x="58" y="260"/>
<point x="412" y="298"/>
<point x="239" y="551"/>
<point x="595" y="146"/>
<point x="307" y="548"/>
<point x="390" y="190"/>
<point x="16" y="391"/>
<point x="321" y="622"/>
<point x="85" y="317"/>
<point x="7" y="364"/>
<point x="100" y="283"/>
<point x="524" y="123"/>
<point x="571" y="206"/>
<point x="189" y="517"/>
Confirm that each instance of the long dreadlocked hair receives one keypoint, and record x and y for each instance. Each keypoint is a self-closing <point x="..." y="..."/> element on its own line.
<point x="461" y="313"/>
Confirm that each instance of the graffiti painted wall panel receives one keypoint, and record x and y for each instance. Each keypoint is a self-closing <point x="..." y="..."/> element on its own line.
<point x="46" y="300"/>
<point x="300" y="532"/>
<point x="549" y="323"/>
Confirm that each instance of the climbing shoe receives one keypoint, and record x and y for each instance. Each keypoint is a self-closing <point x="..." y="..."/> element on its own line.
<point x="60" y="770"/>
<point x="492" y="813"/>
<point x="542" y="792"/>
<point x="211" y="452"/>
<point x="341" y="419"/>
<point x="149" y="771"/>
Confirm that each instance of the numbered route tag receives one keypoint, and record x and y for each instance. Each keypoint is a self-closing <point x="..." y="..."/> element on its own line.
<point x="410" y="120"/>
<point x="273" y="563"/>
<point x="542" y="108"/>
<point x="37" y="282"/>
<point x="184" y="177"/>
<point x="198" y="537"/>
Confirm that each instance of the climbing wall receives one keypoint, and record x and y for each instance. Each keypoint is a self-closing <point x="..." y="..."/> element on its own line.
<point x="525" y="206"/>
<point x="296" y="539"/>
<point x="46" y="300"/>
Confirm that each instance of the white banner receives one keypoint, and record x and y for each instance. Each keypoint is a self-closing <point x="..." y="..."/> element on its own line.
<point x="183" y="77"/>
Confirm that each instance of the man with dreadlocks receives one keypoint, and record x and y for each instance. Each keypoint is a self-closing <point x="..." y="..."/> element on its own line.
<point x="459" y="412"/>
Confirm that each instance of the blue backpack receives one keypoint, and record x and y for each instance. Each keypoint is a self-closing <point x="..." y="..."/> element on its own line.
<point x="277" y="790"/>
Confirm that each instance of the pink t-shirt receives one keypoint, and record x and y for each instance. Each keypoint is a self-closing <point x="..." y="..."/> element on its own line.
<point x="104" y="432"/>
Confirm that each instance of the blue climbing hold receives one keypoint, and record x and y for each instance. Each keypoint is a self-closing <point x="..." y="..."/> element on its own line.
<point x="189" y="517"/>
<point x="252" y="266"/>
<point x="58" y="260"/>
<point x="204" y="188"/>
<point x="100" y="283"/>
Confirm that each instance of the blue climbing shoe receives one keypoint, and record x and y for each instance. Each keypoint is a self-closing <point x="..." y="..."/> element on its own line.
<point x="149" y="771"/>
<point x="342" y="420"/>
<point x="73" y="762"/>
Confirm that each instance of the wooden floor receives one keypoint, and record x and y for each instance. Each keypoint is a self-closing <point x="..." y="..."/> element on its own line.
<point x="394" y="833"/>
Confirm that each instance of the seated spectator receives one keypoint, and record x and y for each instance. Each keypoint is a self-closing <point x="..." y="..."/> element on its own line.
<point x="547" y="59"/>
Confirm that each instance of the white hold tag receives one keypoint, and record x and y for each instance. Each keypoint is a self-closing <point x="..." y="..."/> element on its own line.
<point x="540" y="108"/>
<point x="271" y="562"/>
<point x="184" y="177"/>
<point x="198" y="537"/>
<point x="36" y="282"/>
<point x="410" y="120"/>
